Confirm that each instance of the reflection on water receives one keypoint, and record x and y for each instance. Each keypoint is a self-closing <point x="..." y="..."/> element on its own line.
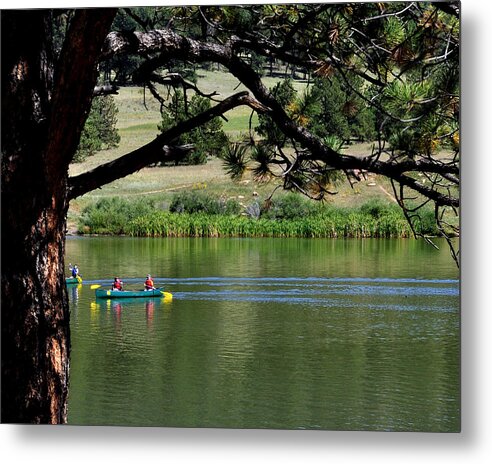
<point x="115" y="308"/>
<point x="271" y="348"/>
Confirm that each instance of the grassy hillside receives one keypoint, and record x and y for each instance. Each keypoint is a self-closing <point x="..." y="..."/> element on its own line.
<point x="138" y="118"/>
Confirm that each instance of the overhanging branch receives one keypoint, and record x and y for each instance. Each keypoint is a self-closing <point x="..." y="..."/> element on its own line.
<point x="160" y="149"/>
<point x="172" y="45"/>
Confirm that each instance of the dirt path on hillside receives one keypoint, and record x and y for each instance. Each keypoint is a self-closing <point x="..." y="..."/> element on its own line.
<point x="387" y="193"/>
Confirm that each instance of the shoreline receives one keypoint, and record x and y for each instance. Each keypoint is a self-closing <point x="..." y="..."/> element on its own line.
<point x="332" y="224"/>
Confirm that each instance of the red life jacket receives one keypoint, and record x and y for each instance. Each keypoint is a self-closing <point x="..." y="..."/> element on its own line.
<point x="149" y="283"/>
<point x="117" y="285"/>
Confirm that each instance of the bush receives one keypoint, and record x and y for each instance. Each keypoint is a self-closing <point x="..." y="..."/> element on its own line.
<point x="200" y="215"/>
<point x="196" y="202"/>
<point x="423" y="220"/>
<point x="426" y="222"/>
<point x="376" y="208"/>
<point x="112" y="215"/>
<point x="290" y="206"/>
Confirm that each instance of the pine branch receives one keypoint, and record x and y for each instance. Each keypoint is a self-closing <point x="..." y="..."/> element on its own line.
<point x="160" y="149"/>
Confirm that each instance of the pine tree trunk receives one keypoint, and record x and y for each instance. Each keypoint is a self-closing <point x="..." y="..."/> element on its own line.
<point x="35" y="322"/>
<point x="35" y="313"/>
<point x="43" y="113"/>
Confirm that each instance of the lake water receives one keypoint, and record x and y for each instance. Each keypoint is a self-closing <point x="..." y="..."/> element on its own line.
<point x="267" y="333"/>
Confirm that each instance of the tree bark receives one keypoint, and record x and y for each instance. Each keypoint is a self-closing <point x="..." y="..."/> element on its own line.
<point x="43" y="113"/>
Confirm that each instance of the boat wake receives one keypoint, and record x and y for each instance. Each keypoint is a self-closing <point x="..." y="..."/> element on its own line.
<point x="390" y="294"/>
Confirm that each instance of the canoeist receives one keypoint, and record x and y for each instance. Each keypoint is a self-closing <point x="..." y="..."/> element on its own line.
<point x="149" y="283"/>
<point x="117" y="284"/>
<point x="75" y="272"/>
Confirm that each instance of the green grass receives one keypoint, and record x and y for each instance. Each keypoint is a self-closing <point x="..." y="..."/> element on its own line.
<point x="203" y="215"/>
<point x="148" y="127"/>
<point x="331" y="224"/>
<point x="238" y="122"/>
<point x="137" y="124"/>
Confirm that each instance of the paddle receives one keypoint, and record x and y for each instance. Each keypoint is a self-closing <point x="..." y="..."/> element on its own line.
<point x="166" y="295"/>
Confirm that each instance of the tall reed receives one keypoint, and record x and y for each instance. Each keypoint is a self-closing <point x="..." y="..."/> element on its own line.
<point x="141" y="218"/>
<point x="326" y="225"/>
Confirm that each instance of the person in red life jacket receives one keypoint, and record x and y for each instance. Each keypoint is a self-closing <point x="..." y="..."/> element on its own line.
<point x="149" y="283"/>
<point x="117" y="284"/>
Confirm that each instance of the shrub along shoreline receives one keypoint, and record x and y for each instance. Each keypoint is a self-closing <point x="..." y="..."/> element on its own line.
<point x="193" y="215"/>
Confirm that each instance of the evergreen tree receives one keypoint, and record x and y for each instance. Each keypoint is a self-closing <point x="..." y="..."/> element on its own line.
<point x="100" y="128"/>
<point x="208" y="139"/>
<point x="284" y="93"/>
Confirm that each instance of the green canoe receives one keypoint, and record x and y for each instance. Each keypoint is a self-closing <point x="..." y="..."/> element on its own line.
<point x="102" y="293"/>
<point x="73" y="280"/>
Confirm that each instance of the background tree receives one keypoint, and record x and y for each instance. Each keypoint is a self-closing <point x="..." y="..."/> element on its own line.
<point x="100" y="128"/>
<point x="208" y="140"/>
<point x="285" y="95"/>
<point x="407" y="55"/>
<point x="340" y="111"/>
